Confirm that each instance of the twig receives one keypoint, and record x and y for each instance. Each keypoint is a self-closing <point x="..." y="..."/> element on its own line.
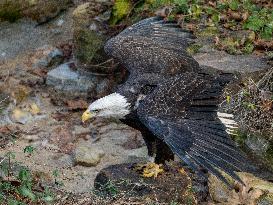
<point x="4" y="99"/>
<point x="2" y="160"/>
<point x="6" y="77"/>
<point x="109" y="60"/>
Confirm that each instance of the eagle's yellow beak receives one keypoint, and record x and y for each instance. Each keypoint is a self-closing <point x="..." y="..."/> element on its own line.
<point x="86" y="116"/>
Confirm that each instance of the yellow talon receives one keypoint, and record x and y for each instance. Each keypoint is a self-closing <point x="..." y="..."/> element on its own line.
<point x="182" y="171"/>
<point x="152" y="170"/>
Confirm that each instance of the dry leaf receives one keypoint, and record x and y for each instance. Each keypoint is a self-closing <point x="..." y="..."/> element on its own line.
<point x="264" y="44"/>
<point x="4" y="130"/>
<point x="34" y="109"/>
<point x="267" y="105"/>
<point x="21" y="93"/>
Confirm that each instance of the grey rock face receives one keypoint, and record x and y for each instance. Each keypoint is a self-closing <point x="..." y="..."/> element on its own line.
<point x="226" y="62"/>
<point x="65" y="79"/>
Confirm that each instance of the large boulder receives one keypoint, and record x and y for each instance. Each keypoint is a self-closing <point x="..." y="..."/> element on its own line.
<point x="69" y="80"/>
<point x="38" y="10"/>
<point x="171" y="187"/>
<point x="89" y="35"/>
<point x="255" y="192"/>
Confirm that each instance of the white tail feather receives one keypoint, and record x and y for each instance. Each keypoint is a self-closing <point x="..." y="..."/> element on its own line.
<point x="227" y="120"/>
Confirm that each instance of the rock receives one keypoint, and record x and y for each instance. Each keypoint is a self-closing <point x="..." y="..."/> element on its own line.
<point x="89" y="34"/>
<point x="63" y="161"/>
<point x="171" y="186"/>
<point x="77" y="83"/>
<point x="46" y="57"/>
<point x="66" y="79"/>
<point x="38" y="10"/>
<point x="224" y="61"/>
<point x="255" y="191"/>
<point x="88" y="155"/>
<point x="257" y="144"/>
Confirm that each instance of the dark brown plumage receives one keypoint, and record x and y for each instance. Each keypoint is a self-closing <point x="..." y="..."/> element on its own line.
<point x="177" y="113"/>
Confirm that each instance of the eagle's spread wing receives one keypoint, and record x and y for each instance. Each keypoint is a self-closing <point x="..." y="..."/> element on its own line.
<point x="182" y="111"/>
<point x="153" y="46"/>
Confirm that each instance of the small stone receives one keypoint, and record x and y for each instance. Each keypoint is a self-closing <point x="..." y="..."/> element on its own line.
<point x="65" y="79"/>
<point x="88" y="155"/>
<point x="60" y="22"/>
<point x="20" y="116"/>
<point x="47" y="56"/>
<point x="63" y="160"/>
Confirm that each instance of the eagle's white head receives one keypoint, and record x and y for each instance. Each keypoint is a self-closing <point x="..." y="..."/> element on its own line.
<point x="110" y="106"/>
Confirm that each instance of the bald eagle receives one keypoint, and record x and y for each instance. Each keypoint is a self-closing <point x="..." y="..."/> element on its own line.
<point x="170" y="99"/>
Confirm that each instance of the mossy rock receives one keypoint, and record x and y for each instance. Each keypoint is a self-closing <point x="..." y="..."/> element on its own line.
<point x="10" y="10"/>
<point x="38" y="10"/>
<point x="44" y="10"/>
<point x="87" y="43"/>
<point x="90" y="35"/>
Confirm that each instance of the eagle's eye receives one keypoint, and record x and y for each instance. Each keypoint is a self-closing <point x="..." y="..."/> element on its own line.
<point x="95" y="111"/>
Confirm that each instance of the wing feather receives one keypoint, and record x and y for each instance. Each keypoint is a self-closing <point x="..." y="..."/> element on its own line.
<point x="153" y="46"/>
<point x="193" y="130"/>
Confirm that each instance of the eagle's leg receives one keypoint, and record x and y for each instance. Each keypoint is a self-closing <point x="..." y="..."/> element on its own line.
<point x="158" y="153"/>
<point x="163" y="152"/>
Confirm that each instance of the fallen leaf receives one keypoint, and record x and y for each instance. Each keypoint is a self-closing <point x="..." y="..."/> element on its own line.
<point x="39" y="72"/>
<point x="264" y="44"/>
<point x="267" y="105"/>
<point x="4" y="130"/>
<point x="21" y="93"/>
<point x="34" y="109"/>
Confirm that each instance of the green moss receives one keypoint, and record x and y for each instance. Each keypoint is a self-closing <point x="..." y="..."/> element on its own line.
<point x="194" y="48"/>
<point x="87" y="44"/>
<point x="269" y="54"/>
<point x="120" y="10"/>
<point x="248" y="48"/>
<point x="208" y="32"/>
<point x="240" y="137"/>
<point x="10" y="11"/>
<point x="269" y="153"/>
